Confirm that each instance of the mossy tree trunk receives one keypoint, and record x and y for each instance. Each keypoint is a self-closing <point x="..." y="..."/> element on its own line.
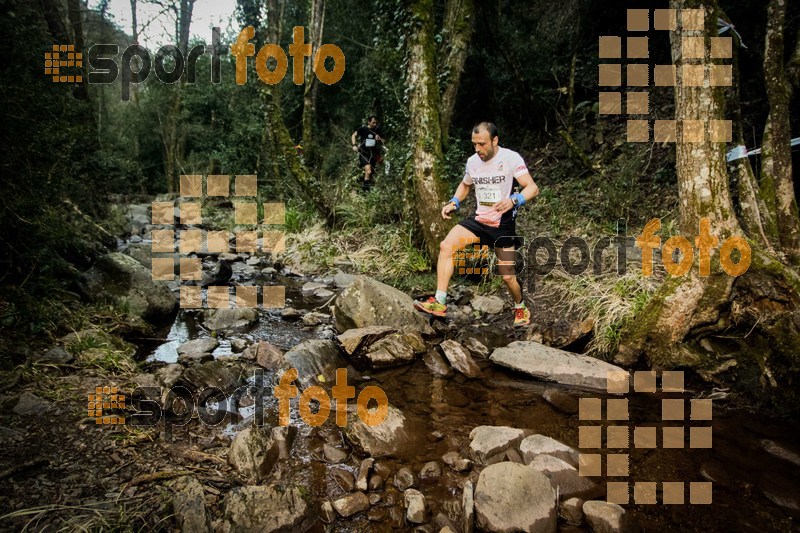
<point x="777" y="158"/>
<point x="316" y="22"/>
<point x="459" y="24"/>
<point x="718" y="322"/>
<point x="426" y="129"/>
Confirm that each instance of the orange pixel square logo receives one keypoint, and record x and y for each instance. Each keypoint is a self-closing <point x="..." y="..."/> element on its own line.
<point x="618" y="437"/>
<point x="63" y="56"/>
<point x="700" y="66"/>
<point x="106" y="398"/>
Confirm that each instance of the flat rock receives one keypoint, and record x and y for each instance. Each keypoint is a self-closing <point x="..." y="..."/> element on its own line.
<point x="511" y="497"/>
<point x="332" y="454"/>
<point x="476" y="347"/>
<point x="354" y="340"/>
<point x="534" y="445"/>
<point x="488" y="444"/>
<point x="437" y="364"/>
<point x="351" y="504"/>
<point x="392" y="350"/>
<point x="309" y="288"/>
<point x="196" y="347"/>
<point x="460" y="359"/>
<point x="313" y="319"/>
<point x="368" y="302"/>
<point x="323" y="294"/>
<point x="566" y="478"/>
<point x="551" y="364"/>
<point x="343" y="280"/>
<point x="344" y="478"/>
<point x="490" y="305"/>
<point x="604" y="517"/>
<point x="267" y="508"/>
<point x="315" y="358"/>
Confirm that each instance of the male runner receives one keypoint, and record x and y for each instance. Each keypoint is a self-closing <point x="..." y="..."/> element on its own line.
<point x="369" y="151"/>
<point x="494" y="171"/>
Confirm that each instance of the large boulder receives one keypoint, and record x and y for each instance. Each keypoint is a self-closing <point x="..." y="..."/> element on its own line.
<point x="552" y="364"/>
<point x="268" y="508"/>
<point x="368" y="302"/>
<point x="388" y="438"/>
<point x="510" y="497"/>
<point x="565" y="476"/>
<point x="605" y="517"/>
<point x="255" y="451"/>
<point x="120" y="279"/>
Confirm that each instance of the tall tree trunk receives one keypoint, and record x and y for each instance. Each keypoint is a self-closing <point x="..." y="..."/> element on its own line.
<point x="54" y="18"/>
<point x="459" y="25"/>
<point x="753" y="318"/>
<point x="776" y="153"/>
<point x="76" y="21"/>
<point x="426" y="133"/>
<point x="316" y="21"/>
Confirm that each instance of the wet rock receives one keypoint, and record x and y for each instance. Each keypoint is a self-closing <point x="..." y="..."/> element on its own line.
<point x="333" y="455"/>
<point x="363" y="474"/>
<point x="571" y="510"/>
<point x="314" y="358"/>
<point x="29" y="404"/>
<point x="430" y="471"/>
<point x="397" y="517"/>
<point x="290" y="313"/>
<point x="327" y="513"/>
<point x="239" y="345"/>
<point x="468" y="508"/>
<point x="535" y="445"/>
<point x="267" y="508"/>
<point x="269" y="272"/>
<point x="353" y="341"/>
<point x="563" y="401"/>
<point x="56" y="355"/>
<point x="147" y="381"/>
<point x="781" y="489"/>
<point x="476" y="348"/>
<point x="254" y="453"/>
<point x="384" y="439"/>
<point x="565" y="476"/>
<point x="604" y="517"/>
<point x="390" y="351"/>
<point x="197" y="350"/>
<point x="253" y="261"/>
<point x="377" y="514"/>
<point x="323" y="294"/>
<point x="488" y="444"/>
<point x="551" y="364"/>
<point x="189" y="505"/>
<point x="169" y="374"/>
<point x="123" y="281"/>
<point x="344" y="478"/>
<point x="382" y="469"/>
<point x="511" y="497"/>
<point x="314" y="319"/>
<point x="374" y="499"/>
<point x="376" y="483"/>
<point x="416" y="508"/>
<point x="460" y="359"/>
<point x="490" y="305"/>
<point x="780" y="451"/>
<point x="206" y="376"/>
<point x="230" y="320"/>
<point x="265" y="355"/>
<point x="414" y="339"/>
<point x="456" y="462"/>
<point x="310" y="287"/>
<point x="351" y="504"/>
<point x="404" y="479"/>
<point x="437" y="364"/>
<point x="368" y="302"/>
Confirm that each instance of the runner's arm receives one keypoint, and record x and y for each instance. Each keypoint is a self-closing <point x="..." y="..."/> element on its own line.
<point x="353" y="140"/>
<point x="461" y="193"/>
<point x="529" y="191"/>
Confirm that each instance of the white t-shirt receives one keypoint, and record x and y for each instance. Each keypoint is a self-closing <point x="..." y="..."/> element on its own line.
<point x="494" y="181"/>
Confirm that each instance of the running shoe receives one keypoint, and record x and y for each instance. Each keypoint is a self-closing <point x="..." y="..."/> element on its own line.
<point x="522" y="317"/>
<point x="432" y="306"/>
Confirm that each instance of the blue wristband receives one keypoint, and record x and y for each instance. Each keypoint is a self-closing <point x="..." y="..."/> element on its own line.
<point x="520" y="199"/>
<point x="455" y="201"/>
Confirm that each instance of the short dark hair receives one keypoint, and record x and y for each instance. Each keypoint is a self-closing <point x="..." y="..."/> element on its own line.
<point x="488" y="126"/>
<point x="371" y="117"/>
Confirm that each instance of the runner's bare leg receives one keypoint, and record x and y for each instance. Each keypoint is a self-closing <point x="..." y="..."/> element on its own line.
<point x="506" y="268"/>
<point x="458" y="239"/>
